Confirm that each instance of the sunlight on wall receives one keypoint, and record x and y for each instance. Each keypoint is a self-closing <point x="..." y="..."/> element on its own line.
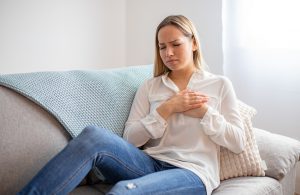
<point x="268" y="24"/>
<point x="261" y="47"/>
<point x="261" y="56"/>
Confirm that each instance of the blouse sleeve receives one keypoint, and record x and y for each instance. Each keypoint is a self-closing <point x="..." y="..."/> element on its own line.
<point x="225" y="127"/>
<point x="142" y="124"/>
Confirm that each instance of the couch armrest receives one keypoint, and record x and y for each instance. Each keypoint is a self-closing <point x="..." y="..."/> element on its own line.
<point x="280" y="153"/>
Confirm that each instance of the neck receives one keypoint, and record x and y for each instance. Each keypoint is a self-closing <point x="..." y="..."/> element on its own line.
<point x="182" y="74"/>
<point x="181" y="78"/>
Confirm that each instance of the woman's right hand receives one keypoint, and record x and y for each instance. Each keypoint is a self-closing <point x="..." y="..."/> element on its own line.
<point x="183" y="101"/>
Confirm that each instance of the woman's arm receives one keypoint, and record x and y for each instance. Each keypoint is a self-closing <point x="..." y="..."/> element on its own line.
<point x="142" y="124"/>
<point x="225" y="127"/>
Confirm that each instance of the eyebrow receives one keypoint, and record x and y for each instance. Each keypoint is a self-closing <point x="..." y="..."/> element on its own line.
<point x="169" y="42"/>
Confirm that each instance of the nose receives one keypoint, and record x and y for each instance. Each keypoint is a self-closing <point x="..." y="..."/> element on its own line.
<point x="169" y="52"/>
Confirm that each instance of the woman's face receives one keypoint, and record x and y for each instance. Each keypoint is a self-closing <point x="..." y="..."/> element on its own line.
<point x="176" y="50"/>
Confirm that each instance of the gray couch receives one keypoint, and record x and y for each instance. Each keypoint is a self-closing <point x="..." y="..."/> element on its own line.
<point x="30" y="136"/>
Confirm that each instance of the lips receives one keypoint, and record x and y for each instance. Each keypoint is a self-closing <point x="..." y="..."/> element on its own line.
<point x="171" y="61"/>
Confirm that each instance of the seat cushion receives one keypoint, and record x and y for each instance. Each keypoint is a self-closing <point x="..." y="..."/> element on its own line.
<point x="99" y="189"/>
<point x="249" y="186"/>
<point x="86" y="190"/>
<point x="238" y="185"/>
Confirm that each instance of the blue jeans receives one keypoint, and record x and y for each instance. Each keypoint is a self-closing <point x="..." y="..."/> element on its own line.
<point x="127" y="167"/>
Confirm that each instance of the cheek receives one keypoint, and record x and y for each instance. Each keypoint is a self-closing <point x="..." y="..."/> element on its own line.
<point x="187" y="52"/>
<point x="182" y="53"/>
<point x="162" y="55"/>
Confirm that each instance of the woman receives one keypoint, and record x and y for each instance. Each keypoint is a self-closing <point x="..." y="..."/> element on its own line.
<point x="179" y="118"/>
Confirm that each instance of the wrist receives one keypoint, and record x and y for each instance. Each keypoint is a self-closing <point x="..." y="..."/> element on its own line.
<point x="164" y="110"/>
<point x="204" y="110"/>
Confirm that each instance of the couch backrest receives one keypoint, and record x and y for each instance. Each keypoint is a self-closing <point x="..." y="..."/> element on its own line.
<point x="80" y="98"/>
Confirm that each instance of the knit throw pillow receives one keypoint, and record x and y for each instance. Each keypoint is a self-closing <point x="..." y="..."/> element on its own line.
<point x="248" y="162"/>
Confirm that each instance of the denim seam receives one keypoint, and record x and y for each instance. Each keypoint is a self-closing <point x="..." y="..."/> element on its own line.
<point x="72" y="176"/>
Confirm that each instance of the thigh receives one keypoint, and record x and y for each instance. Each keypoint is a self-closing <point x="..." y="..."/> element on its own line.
<point x="169" y="182"/>
<point x="116" y="158"/>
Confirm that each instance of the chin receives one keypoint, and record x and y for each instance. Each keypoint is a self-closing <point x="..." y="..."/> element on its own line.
<point x="173" y="66"/>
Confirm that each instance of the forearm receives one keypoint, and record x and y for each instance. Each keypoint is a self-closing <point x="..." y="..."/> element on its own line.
<point x="136" y="135"/>
<point x="138" y="132"/>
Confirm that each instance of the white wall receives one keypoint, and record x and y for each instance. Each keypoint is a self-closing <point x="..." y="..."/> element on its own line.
<point x="40" y="35"/>
<point x="143" y="16"/>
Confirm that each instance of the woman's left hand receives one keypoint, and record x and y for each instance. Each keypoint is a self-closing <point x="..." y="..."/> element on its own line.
<point x="198" y="112"/>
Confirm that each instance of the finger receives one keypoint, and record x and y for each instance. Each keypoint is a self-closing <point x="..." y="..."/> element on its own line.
<point x="204" y="101"/>
<point x="198" y="105"/>
<point x="200" y="93"/>
<point x="196" y="93"/>
<point x="200" y="98"/>
<point x="193" y="94"/>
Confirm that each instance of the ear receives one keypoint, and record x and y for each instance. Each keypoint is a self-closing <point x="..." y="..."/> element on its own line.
<point x="195" y="47"/>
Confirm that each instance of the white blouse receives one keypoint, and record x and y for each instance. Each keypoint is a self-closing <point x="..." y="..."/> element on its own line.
<point x="181" y="140"/>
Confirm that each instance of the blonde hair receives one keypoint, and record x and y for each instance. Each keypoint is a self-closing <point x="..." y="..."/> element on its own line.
<point x="189" y="30"/>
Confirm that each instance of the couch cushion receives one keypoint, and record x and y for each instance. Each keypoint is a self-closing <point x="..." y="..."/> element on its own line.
<point x="30" y="136"/>
<point x="240" y="185"/>
<point x="92" y="189"/>
<point x="86" y="190"/>
<point x="282" y="156"/>
<point x="249" y="186"/>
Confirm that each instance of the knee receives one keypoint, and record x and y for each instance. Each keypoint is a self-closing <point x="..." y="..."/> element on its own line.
<point x="94" y="133"/>
<point x="93" y="136"/>
<point x="89" y="137"/>
<point x="91" y="130"/>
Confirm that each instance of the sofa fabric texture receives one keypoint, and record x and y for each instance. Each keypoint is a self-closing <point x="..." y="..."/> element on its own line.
<point x="281" y="160"/>
<point x="29" y="137"/>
